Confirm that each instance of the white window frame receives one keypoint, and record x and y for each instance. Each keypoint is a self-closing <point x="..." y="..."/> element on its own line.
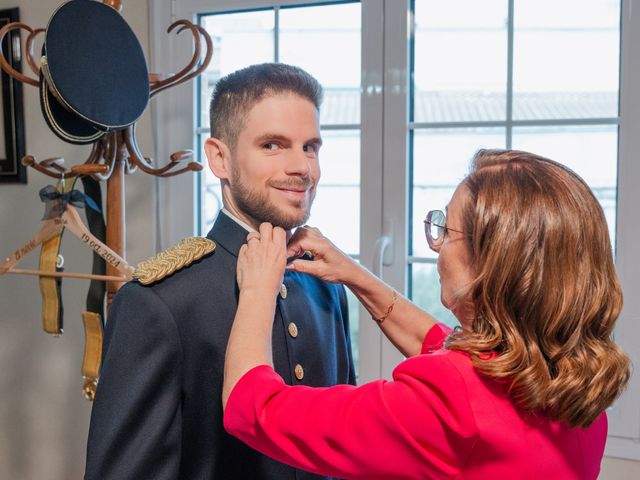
<point x="624" y="417"/>
<point x="384" y="186"/>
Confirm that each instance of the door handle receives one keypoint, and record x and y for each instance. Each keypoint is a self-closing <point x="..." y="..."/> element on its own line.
<point x="383" y="253"/>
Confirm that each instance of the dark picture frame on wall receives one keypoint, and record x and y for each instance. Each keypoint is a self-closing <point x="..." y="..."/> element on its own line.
<point x="12" y="145"/>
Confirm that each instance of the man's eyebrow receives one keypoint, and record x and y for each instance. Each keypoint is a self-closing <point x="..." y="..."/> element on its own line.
<point x="272" y="136"/>
<point x="283" y="138"/>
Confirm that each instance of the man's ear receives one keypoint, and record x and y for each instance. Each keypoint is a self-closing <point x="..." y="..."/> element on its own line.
<point x="219" y="157"/>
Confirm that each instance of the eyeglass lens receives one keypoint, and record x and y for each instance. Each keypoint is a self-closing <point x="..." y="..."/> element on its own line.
<point x="434" y="225"/>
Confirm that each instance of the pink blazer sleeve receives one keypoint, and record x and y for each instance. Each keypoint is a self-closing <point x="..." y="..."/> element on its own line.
<point x="435" y="337"/>
<point x="419" y="424"/>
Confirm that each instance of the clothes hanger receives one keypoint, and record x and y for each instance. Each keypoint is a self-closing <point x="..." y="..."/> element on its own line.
<point x="53" y="226"/>
<point x="49" y="238"/>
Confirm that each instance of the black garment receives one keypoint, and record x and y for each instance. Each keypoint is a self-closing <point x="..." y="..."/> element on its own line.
<point x="157" y="413"/>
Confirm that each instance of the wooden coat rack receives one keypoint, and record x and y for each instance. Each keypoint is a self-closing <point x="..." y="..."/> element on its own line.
<point x="117" y="153"/>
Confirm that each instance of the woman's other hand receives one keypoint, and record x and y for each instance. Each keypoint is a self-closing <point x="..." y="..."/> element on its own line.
<point x="262" y="260"/>
<point x="329" y="262"/>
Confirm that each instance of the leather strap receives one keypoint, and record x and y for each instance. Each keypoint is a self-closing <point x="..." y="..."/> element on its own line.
<point x="51" y="288"/>
<point x="92" y="353"/>
<point x="95" y="220"/>
<point x="93" y="318"/>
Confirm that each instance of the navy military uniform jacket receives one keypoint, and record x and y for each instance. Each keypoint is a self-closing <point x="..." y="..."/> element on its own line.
<point x="158" y="412"/>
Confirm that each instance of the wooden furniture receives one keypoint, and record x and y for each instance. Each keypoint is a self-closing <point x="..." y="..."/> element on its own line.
<point x="117" y="153"/>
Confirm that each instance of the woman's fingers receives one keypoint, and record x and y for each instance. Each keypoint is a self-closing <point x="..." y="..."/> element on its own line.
<point x="253" y="236"/>
<point x="267" y="234"/>
<point x="304" y="266"/>
<point x="305" y="239"/>
<point x="329" y="262"/>
<point x="261" y="261"/>
<point x="266" y="231"/>
<point x="280" y="237"/>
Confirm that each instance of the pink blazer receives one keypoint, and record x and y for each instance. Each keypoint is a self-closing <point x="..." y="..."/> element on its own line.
<point x="437" y="419"/>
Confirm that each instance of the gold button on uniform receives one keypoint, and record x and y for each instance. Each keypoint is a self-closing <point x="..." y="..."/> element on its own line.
<point x="293" y="329"/>
<point x="283" y="291"/>
<point x="299" y="371"/>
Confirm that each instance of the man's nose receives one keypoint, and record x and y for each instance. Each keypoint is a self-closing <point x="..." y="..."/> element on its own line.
<point x="299" y="163"/>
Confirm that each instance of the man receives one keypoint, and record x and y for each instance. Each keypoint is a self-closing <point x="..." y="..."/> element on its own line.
<point x="157" y="412"/>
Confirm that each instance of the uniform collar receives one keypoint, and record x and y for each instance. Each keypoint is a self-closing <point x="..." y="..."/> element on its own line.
<point x="228" y="233"/>
<point x="244" y="225"/>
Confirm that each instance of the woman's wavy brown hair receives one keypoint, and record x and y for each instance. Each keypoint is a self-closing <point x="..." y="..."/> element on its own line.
<point x="546" y="295"/>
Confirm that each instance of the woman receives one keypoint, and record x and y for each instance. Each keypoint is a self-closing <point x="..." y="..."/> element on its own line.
<point x="519" y="391"/>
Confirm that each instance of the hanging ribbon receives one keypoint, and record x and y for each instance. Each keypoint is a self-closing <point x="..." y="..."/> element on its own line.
<point x="56" y="202"/>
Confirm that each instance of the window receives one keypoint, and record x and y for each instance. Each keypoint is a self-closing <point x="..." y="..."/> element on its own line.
<point x="508" y="74"/>
<point x="413" y="89"/>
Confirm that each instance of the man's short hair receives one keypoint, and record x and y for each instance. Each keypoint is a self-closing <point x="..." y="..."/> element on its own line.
<point x="237" y="93"/>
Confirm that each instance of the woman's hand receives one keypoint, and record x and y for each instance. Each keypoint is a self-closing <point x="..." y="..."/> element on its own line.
<point x="262" y="260"/>
<point x="405" y="324"/>
<point x="261" y="263"/>
<point x="329" y="262"/>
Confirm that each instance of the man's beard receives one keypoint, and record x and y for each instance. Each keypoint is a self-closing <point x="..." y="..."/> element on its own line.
<point x="258" y="206"/>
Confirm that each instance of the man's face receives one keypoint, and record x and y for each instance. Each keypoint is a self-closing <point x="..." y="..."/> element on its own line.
<point x="275" y="167"/>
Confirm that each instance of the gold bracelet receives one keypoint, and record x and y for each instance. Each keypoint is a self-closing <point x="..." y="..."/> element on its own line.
<point x="389" y="309"/>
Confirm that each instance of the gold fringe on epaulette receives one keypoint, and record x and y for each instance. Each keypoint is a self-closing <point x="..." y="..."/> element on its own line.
<point x="173" y="259"/>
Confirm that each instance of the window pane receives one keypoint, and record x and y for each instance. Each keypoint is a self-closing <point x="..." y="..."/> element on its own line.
<point x="311" y="37"/>
<point x="590" y="151"/>
<point x="460" y="60"/>
<point x="440" y="161"/>
<point x="336" y="210"/>
<point x="425" y="292"/>
<point x="566" y="59"/>
<point x="232" y="34"/>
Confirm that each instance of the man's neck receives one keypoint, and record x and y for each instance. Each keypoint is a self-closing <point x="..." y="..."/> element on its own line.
<point x="244" y="224"/>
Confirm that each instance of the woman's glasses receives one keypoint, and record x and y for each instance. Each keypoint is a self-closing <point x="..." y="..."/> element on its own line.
<point x="435" y="228"/>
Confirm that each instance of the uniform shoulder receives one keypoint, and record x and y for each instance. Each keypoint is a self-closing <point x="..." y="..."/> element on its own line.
<point x="173" y="259"/>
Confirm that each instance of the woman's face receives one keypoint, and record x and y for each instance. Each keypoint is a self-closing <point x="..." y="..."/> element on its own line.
<point x="454" y="261"/>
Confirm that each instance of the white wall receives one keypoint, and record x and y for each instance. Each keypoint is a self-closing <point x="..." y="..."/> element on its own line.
<point x="617" y="469"/>
<point x="43" y="415"/>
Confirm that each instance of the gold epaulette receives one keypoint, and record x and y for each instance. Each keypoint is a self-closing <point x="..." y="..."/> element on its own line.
<point x="173" y="259"/>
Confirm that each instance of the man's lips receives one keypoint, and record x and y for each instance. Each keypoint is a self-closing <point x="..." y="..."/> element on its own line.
<point x="297" y="189"/>
<point x="296" y="194"/>
<point x="291" y="189"/>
